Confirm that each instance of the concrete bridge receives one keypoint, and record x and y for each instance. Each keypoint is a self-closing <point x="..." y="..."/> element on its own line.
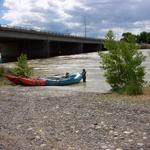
<point x="40" y="44"/>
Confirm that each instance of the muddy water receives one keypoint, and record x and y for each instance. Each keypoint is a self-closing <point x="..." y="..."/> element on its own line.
<point x="75" y="63"/>
<point x="146" y="63"/>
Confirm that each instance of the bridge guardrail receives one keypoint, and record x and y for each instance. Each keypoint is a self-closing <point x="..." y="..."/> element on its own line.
<point x="51" y="33"/>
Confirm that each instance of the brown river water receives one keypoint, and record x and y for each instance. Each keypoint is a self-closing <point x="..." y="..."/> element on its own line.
<point x="75" y="63"/>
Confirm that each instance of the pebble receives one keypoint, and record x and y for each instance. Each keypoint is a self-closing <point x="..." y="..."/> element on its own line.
<point x="128" y="132"/>
<point x="42" y="145"/>
<point x="130" y="140"/>
<point x="115" y="133"/>
<point x="45" y="117"/>
<point x="111" y="131"/>
<point x="77" y="131"/>
<point x="41" y="130"/>
<point x="102" y="122"/>
<point x="97" y="127"/>
<point x="144" y="137"/>
<point x="29" y="129"/>
<point x="67" y="112"/>
<point x="37" y="137"/>
<point x="140" y="144"/>
<point x="104" y="146"/>
<point x="107" y="113"/>
<point x="57" y="106"/>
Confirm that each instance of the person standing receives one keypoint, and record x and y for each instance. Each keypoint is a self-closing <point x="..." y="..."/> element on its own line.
<point x="0" y="57"/>
<point x="84" y="75"/>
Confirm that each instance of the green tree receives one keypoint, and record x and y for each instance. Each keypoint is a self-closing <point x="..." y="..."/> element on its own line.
<point x="122" y="65"/>
<point x="143" y="37"/>
<point x="129" y="37"/>
<point x="22" y="68"/>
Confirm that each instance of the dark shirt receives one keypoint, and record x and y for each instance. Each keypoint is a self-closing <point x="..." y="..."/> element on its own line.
<point x="84" y="76"/>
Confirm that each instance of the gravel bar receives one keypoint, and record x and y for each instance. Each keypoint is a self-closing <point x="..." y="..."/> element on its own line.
<point x="46" y="118"/>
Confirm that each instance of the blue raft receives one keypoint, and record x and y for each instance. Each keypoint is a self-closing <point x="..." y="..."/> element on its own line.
<point x="71" y="79"/>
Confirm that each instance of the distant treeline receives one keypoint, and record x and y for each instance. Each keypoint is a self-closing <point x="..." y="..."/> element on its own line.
<point x="143" y="37"/>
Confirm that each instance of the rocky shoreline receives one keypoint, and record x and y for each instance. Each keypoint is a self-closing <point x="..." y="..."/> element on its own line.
<point x="46" y="118"/>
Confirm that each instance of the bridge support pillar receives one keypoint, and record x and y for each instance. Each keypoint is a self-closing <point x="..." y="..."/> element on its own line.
<point x="9" y="51"/>
<point x="81" y="47"/>
<point x="91" y="47"/>
<point x="46" y="49"/>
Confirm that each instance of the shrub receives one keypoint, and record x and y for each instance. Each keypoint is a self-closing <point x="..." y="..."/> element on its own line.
<point x="1" y="71"/>
<point x="22" y="68"/>
<point x="122" y="65"/>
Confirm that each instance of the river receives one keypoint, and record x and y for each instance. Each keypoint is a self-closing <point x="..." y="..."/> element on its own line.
<point x="75" y="63"/>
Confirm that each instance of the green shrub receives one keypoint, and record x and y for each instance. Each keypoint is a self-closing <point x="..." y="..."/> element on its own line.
<point x="1" y="71"/>
<point x="22" y="68"/>
<point x="122" y="65"/>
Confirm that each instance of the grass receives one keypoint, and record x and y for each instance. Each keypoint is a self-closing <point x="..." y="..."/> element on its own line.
<point x="3" y="71"/>
<point x="147" y="90"/>
<point x="4" y="82"/>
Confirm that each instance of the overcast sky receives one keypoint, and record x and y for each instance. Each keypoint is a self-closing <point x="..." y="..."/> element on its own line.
<point x="68" y="16"/>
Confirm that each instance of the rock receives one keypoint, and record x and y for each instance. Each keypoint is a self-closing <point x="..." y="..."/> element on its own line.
<point x="37" y="137"/>
<point x="144" y="137"/>
<point x="42" y="145"/>
<point x="57" y="106"/>
<point x="111" y="131"/>
<point x="130" y="140"/>
<point x="140" y="144"/>
<point x="45" y="117"/>
<point x="128" y="132"/>
<point x="97" y="127"/>
<point x="29" y="129"/>
<point x="77" y="131"/>
<point x="115" y="133"/>
<point x="104" y="146"/>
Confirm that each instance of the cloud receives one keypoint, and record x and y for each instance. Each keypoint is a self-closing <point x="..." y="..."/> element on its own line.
<point x="68" y="15"/>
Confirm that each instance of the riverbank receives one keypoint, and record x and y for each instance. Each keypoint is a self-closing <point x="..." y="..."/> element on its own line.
<point x="144" y="46"/>
<point x="46" y="118"/>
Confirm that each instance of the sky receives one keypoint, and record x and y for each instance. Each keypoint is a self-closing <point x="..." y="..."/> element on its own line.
<point x="70" y="16"/>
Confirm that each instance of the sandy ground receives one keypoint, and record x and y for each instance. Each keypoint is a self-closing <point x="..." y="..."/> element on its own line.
<point x="46" y="118"/>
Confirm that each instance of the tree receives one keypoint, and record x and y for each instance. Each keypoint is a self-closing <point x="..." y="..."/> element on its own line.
<point x="22" y="68"/>
<point x="143" y="37"/>
<point x="129" y="37"/>
<point x="122" y="65"/>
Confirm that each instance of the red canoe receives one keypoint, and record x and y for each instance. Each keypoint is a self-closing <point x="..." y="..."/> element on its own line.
<point x="32" y="82"/>
<point x="13" y="79"/>
<point x="26" y="81"/>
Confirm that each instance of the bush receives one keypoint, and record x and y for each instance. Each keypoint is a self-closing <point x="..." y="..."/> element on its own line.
<point x="22" y="68"/>
<point x="122" y="65"/>
<point x="1" y="71"/>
